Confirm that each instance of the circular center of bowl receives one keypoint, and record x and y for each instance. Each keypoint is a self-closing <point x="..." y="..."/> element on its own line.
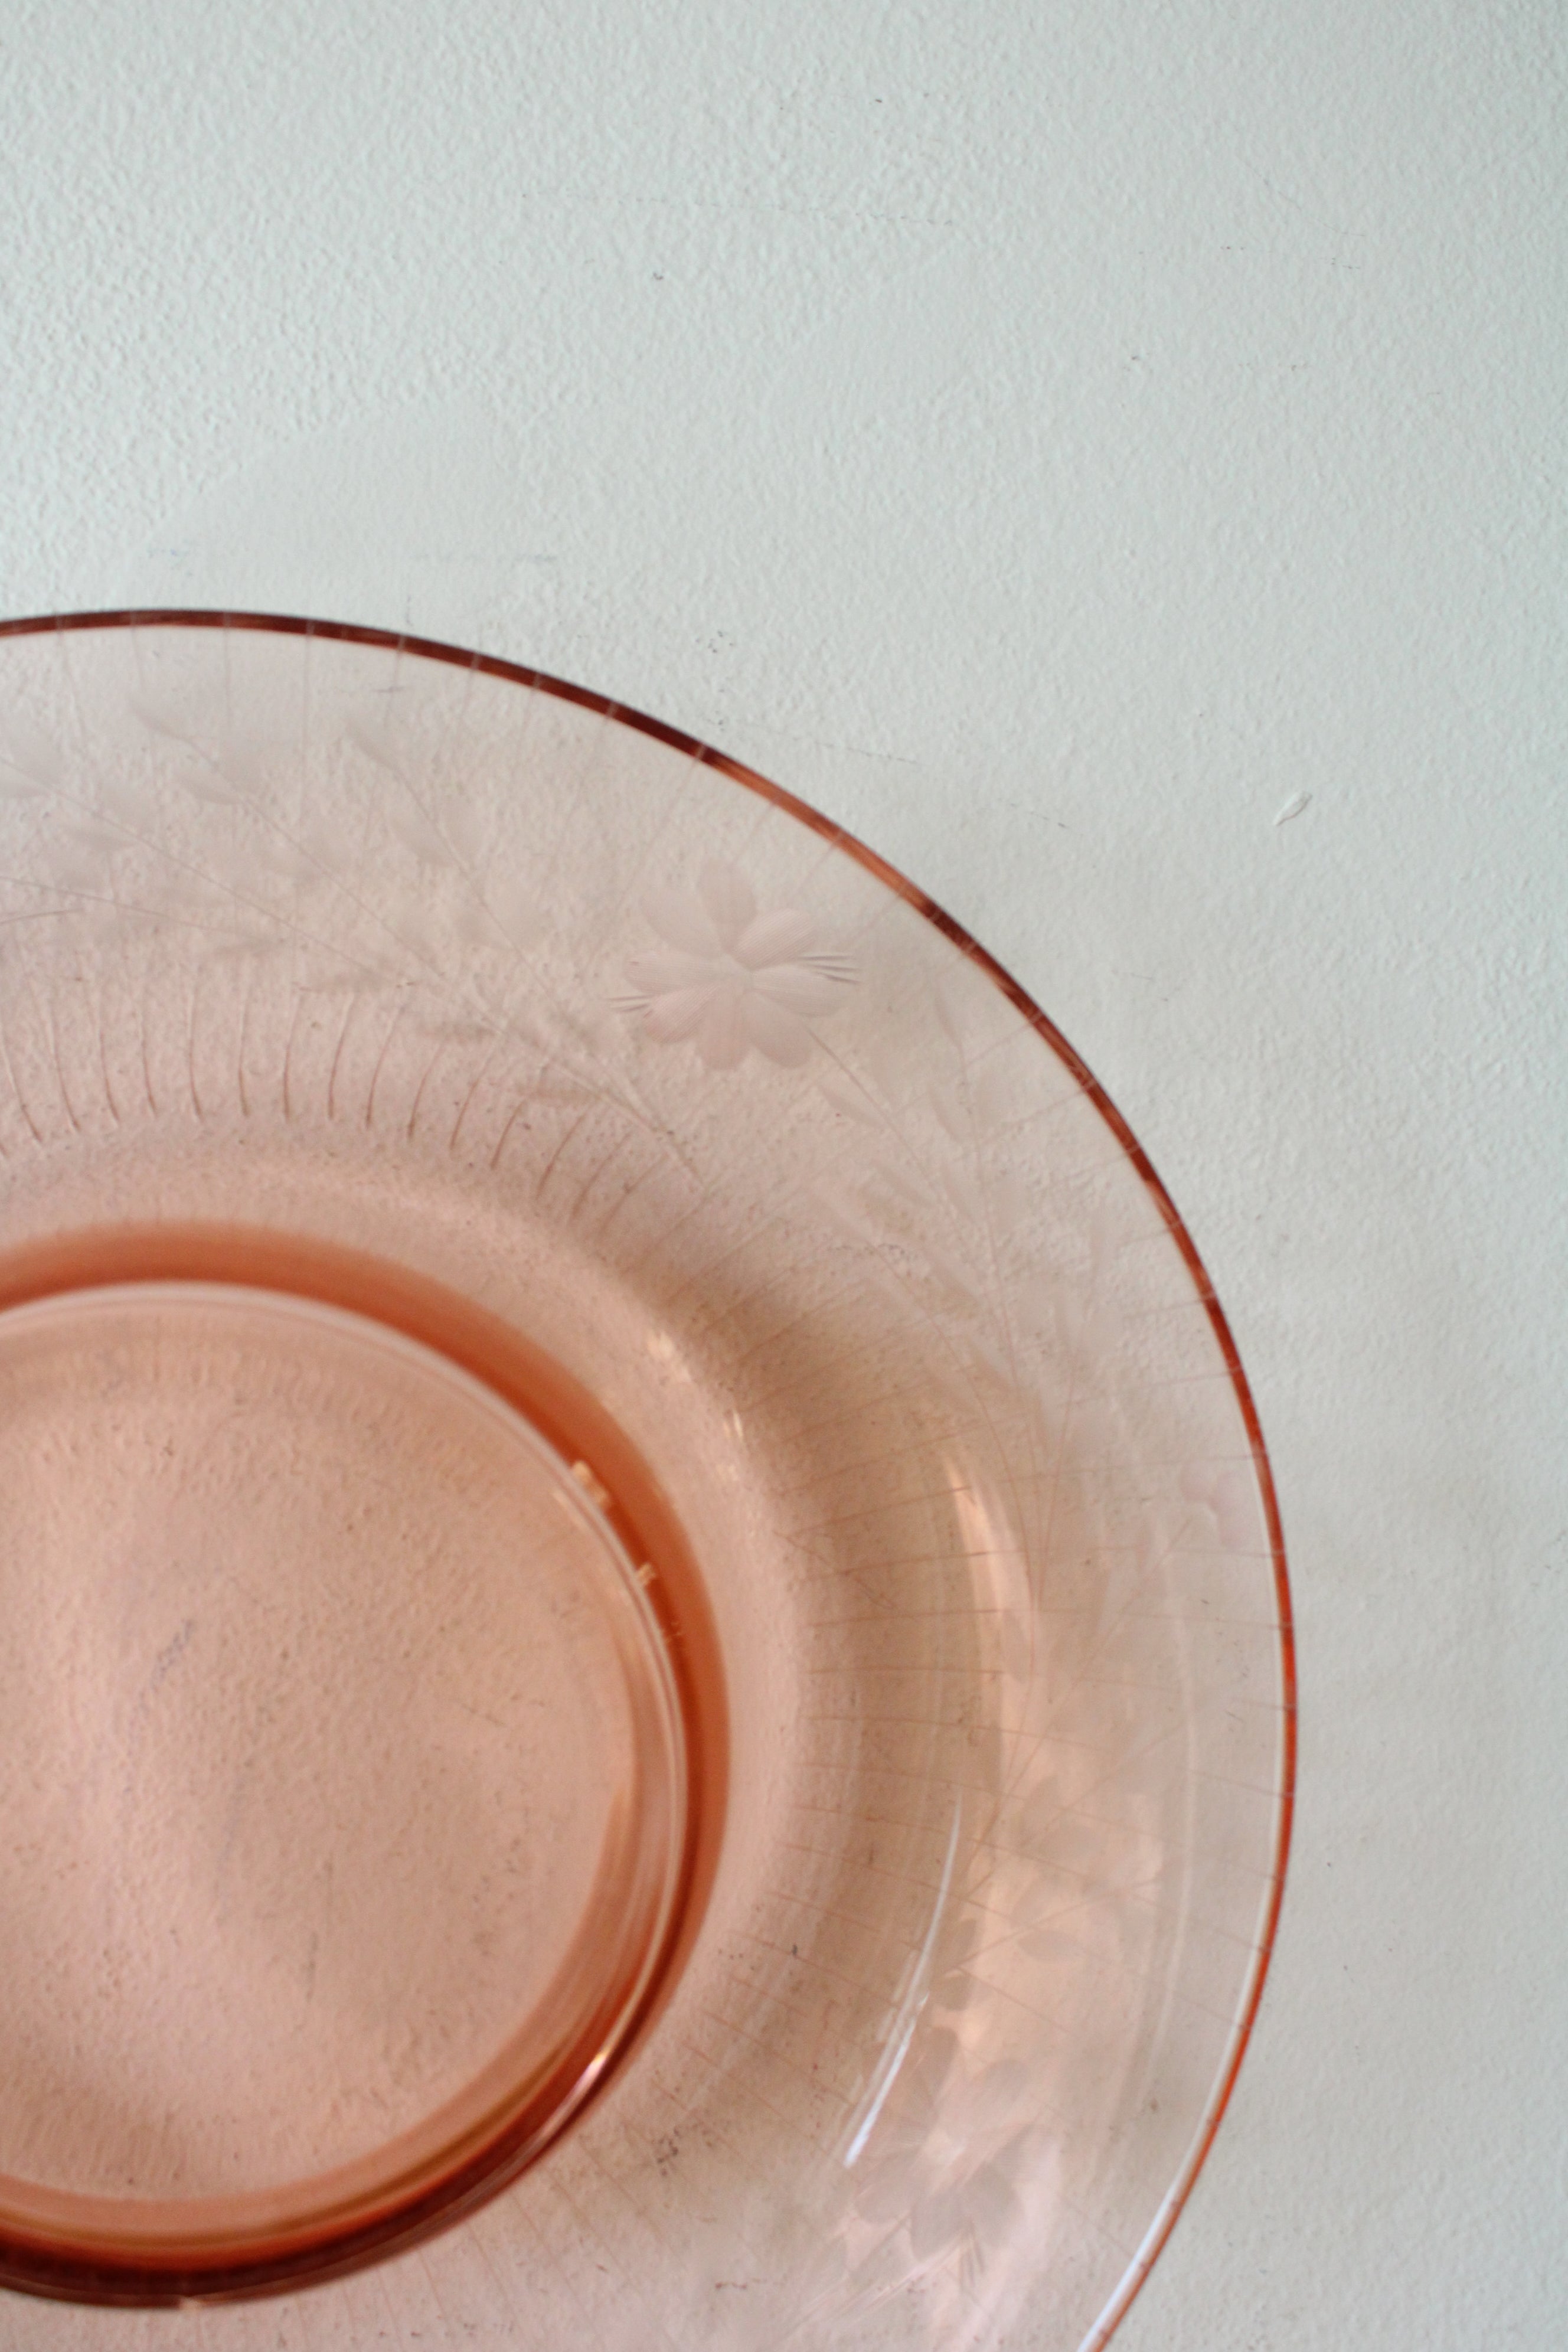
<point x="334" y="1721"/>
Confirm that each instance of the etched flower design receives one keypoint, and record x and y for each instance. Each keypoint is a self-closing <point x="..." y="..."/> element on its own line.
<point x="949" y="2163"/>
<point x="730" y="978"/>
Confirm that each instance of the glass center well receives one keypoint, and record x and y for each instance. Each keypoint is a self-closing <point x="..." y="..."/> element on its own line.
<point x="342" y="1785"/>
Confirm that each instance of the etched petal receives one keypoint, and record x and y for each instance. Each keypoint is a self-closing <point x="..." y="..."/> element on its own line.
<point x="677" y="1016"/>
<point x="782" y="1036"/>
<point x="721" y="1037"/>
<point x="664" y="968"/>
<point x="800" y="989"/>
<point x="937" y="2222"/>
<point x="990" y="2205"/>
<point x="682" y="919"/>
<point x="729" y="898"/>
<point x="776" y="937"/>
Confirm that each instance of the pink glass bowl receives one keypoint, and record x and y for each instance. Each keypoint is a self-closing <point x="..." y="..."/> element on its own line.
<point x="647" y="1689"/>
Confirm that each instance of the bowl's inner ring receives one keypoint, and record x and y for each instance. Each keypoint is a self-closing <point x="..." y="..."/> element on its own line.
<point x="344" y="1784"/>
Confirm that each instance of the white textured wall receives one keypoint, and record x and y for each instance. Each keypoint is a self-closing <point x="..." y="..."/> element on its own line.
<point x="1058" y="438"/>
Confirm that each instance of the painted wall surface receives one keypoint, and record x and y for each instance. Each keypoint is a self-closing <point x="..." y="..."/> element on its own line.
<point x="1114" y="460"/>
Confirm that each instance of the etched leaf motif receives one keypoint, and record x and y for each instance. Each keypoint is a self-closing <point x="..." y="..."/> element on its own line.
<point x="509" y="906"/>
<point x="221" y="787"/>
<point x="416" y="833"/>
<point x="124" y="803"/>
<point x="328" y="847"/>
<point x="276" y="854"/>
<point x="29" y="762"/>
<point x="1226" y="1493"/>
<point x="730" y="979"/>
<point x="461" y="826"/>
<point x="853" y="1099"/>
<point x="88" y="833"/>
<point x="158" y="720"/>
<point x="373" y="741"/>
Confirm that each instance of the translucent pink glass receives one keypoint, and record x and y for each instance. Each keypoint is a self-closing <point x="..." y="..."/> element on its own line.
<point x="643" y="1634"/>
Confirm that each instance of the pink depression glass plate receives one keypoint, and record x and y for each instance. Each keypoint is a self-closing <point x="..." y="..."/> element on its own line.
<point x="646" y="1659"/>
